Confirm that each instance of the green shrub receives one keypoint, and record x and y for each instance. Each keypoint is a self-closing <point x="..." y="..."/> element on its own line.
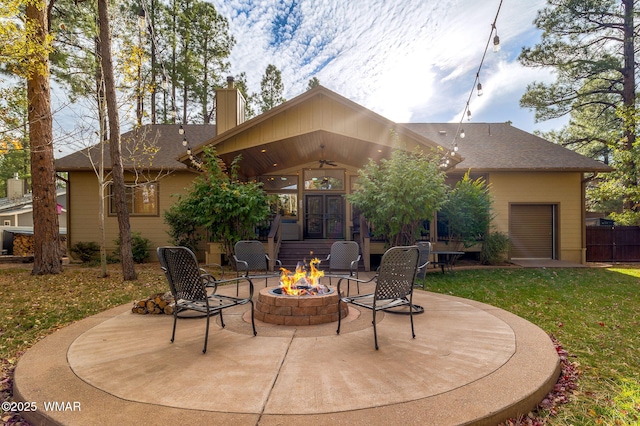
<point x="86" y="251"/>
<point x="140" y="247"/>
<point x="494" y="248"/>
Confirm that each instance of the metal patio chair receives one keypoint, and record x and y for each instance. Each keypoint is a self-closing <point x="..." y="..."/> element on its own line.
<point x="249" y="255"/>
<point x="344" y="256"/>
<point x="394" y="287"/>
<point x="195" y="289"/>
<point x="424" y="247"/>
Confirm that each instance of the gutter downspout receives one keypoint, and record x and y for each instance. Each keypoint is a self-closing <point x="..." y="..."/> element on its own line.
<point x="583" y="217"/>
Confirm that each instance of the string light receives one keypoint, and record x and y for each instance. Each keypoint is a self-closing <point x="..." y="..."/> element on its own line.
<point x="477" y="86"/>
<point x="141" y="19"/>
<point x="142" y="13"/>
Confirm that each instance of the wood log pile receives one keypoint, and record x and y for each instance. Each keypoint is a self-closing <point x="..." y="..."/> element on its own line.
<point x="23" y="245"/>
<point x="160" y="303"/>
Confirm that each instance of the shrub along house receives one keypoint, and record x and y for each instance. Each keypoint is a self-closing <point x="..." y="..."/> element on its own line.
<point x="308" y="150"/>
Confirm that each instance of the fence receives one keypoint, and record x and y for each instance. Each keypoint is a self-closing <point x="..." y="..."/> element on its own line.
<point x="613" y="244"/>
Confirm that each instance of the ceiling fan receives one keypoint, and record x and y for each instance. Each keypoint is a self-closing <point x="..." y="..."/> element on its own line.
<point x="323" y="161"/>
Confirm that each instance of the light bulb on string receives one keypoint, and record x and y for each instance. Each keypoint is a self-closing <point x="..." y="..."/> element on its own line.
<point x="184" y="142"/>
<point x="165" y="83"/>
<point x="462" y="135"/>
<point x="479" y="91"/>
<point x="455" y="147"/>
<point x="181" y="130"/>
<point x="496" y="43"/>
<point x="141" y="19"/>
<point x="468" y="115"/>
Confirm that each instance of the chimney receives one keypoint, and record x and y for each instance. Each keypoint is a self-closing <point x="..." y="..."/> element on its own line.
<point x="15" y="187"/>
<point x="229" y="107"/>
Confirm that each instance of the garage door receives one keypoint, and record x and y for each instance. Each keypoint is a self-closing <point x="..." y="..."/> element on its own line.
<point x="532" y="231"/>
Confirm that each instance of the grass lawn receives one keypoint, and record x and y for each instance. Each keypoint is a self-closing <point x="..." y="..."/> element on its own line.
<point x="593" y="312"/>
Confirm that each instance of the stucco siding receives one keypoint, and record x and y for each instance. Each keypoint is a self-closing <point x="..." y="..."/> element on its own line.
<point x="562" y="189"/>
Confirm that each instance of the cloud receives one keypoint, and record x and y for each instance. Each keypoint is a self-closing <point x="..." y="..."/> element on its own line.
<point x="409" y="61"/>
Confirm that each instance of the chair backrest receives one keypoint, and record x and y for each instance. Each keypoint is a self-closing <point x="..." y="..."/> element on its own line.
<point x="424" y="247"/>
<point x="342" y="254"/>
<point x="252" y="252"/>
<point x="397" y="272"/>
<point x="183" y="273"/>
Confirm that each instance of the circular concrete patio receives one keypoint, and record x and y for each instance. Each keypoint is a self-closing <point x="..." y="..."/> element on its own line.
<point x="469" y="363"/>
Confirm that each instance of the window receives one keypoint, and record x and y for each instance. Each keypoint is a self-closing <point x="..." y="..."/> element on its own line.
<point x="318" y="179"/>
<point x="7" y="223"/>
<point x="285" y="188"/>
<point x="141" y="199"/>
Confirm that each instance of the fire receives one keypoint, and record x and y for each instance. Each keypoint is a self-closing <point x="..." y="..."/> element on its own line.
<point x="302" y="282"/>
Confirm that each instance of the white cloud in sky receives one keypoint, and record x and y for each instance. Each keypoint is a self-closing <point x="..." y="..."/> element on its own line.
<point x="411" y="60"/>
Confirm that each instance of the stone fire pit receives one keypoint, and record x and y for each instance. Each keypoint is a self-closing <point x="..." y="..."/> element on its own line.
<point x="274" y="307"/>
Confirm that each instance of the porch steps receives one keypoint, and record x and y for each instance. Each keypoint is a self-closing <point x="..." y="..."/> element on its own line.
<point x="292" y="252"/>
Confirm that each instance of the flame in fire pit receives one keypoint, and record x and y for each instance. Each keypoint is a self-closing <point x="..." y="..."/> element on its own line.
<point x="303" y="282"/>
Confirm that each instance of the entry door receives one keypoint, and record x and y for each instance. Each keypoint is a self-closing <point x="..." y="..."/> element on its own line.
<point x="324" y="216"/>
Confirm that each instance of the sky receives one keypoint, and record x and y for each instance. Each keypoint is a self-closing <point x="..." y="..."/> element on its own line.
<point x="408" y="60"/>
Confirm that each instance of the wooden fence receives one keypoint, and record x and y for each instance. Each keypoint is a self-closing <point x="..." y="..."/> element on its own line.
<point x="613" y="244"/>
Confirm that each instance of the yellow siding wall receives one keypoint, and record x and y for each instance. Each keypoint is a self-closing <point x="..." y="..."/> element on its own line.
<point x="561" y="188"/>
<point x="320" y="113"/>
<point x="84" y="222"/>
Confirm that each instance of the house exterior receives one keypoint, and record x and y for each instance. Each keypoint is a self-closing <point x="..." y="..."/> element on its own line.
<point x="16" y="217"/>
<point x="308" y="151"/>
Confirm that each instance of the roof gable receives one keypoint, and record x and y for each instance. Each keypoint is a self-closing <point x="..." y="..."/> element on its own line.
<point x="318" y="123"/>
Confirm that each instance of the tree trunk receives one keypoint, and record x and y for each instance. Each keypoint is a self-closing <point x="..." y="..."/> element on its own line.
<point x="629" y="101"/>
<point x="47" y="253"/>
<point x="126" y="255"/>
<point x="102" y="118"/>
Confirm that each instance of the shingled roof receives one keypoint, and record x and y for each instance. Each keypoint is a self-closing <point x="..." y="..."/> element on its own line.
<point x="502" y="147"/>
<point x="485" y="147"/>
<point x="165" y="137"/>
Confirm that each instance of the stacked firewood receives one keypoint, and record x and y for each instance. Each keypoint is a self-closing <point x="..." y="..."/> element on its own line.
<point x="22" y="245"/>
<point x="160" y="303"/>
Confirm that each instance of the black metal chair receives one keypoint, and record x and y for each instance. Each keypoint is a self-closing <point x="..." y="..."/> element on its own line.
<point x="195" y="289"/>
<point x="424" y="247"/>
<point x="344" y="256"/>
<point x="249" y="255"/>
<point x="394" y="286"/>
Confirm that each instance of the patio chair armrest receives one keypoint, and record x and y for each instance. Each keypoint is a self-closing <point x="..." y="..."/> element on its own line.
<point x="238" y="280"/>
<point x="357" y="280"/>
<point x="424" y="265"/>
<point x="354" y="266"/>
<point x="209" y="280"/>
<point x="241" y="265"/>
<point x="205" y="268"/>
<point x="276" y="262"/>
